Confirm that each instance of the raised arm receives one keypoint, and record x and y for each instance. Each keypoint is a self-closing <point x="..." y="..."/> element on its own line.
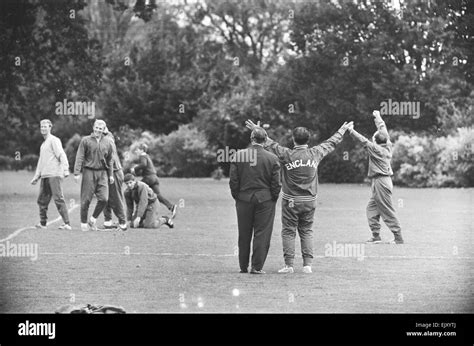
<point x="357" y="136"/>
<point x="380" y="124"/>
<point x="270" y="144"/>
<point x="330" y="144"/>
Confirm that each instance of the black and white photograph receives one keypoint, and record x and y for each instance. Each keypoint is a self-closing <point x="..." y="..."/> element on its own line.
<point x="306" y="159"/>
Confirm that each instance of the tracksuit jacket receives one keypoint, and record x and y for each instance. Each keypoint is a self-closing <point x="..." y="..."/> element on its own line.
<point x="300" y="167"/>
<point x="141" y="195"/>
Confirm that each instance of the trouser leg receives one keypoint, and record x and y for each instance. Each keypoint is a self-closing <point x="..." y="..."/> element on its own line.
<point x="44" y="198"/>
<point x="289" y="220"/>
<point x="87" y="192"/>
<point x="263" y="228"/>
<point x="305" y="230"/>
<point x="383" y="198"/>
<point x="245" y="219"/>
<point x="163" y="200"/>
<point x="373" y="216"/>
<point x="101" y="192"/>
<point x="116" y="199"/>
<point x="151" y="218"/>
<point x="55" y="184"/>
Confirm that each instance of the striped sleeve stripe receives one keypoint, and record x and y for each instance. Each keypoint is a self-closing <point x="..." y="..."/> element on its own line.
<point x="298" y="198"/>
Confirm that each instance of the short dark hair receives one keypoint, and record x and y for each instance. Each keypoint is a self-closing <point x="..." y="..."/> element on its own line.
<point x="128" y="177"/>
<point x="259" y="135"/>
<point x="301" y="135"/>
<point x="380" y="137"/>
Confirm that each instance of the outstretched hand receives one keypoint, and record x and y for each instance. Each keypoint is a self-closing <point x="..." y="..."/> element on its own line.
<point x="251" y="125"/>
<point x="347" y="126"/>
<point x="376" y="113"/>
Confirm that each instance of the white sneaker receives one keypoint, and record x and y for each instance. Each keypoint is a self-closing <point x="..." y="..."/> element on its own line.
<point x="84" y="227"/>
<point x="307" y="269"/>
<point x="286" y="269"/>
<point x="40" y="226"/>
<point x="65" y="226"/>
<point x="108" y="224"/>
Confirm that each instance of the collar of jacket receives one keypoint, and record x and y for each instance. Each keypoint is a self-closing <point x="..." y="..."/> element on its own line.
<point x="93" y="136"/>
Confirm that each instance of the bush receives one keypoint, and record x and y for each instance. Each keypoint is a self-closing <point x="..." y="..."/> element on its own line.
<point x="6" y="162"/>
<point x="28" y="162"/>
<point x="71" y="149"/>
<point x="420" y="161"/>
<point x="182" y="153"/>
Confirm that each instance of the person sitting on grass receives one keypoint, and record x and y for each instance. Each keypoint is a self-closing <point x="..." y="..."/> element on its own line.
<point x="142" y="205"/>
<point x="380" y="172"/>
<point x="148" y="172"/>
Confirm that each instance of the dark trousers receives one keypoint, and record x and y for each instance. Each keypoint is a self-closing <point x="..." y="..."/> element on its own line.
<point x="254" y="219"/>
<point x="51" y="188"/>
<point x="116" y="199"/>
<point x="152" y="181"/>
<point x="93" y="183"/>
<point x="151" y="219"/>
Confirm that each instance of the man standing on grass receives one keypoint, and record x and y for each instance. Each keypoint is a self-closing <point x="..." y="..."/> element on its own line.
<point x="380" y="172"/>
<point x="52" y="168"/>
<point x="300" y="186"/>
<point x="116" y="200"/>
<point x="255" y="186"/>
<point x="94" y="159"/>
<point x="142" y="205"/>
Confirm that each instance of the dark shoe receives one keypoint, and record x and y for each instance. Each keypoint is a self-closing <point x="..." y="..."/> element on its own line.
<point x="243" y="271"/>
<point x="255" y="271"/>
<point x="374" y="240"/>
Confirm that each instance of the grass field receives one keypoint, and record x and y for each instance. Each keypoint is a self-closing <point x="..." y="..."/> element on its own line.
<point x="194" y="268"/>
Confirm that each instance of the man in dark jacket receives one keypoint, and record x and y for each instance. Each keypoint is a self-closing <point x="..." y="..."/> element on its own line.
<point x="142" y="205"/>
<point x="94" y="159"/>
<point x="255" y="186"/>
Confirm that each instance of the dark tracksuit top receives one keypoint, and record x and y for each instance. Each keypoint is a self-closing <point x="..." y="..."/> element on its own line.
<point x="300" y="167"/>
<point x="141" y="196"/>
<point x="146" y="165"/>
<point x="148" y="171"/>
<point x="95" y="155"/>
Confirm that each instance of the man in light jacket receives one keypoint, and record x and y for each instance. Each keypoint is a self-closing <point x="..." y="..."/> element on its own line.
<point x="52" y="168"/>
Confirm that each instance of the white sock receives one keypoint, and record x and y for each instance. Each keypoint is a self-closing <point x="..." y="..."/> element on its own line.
<point x="93" y="219"/>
